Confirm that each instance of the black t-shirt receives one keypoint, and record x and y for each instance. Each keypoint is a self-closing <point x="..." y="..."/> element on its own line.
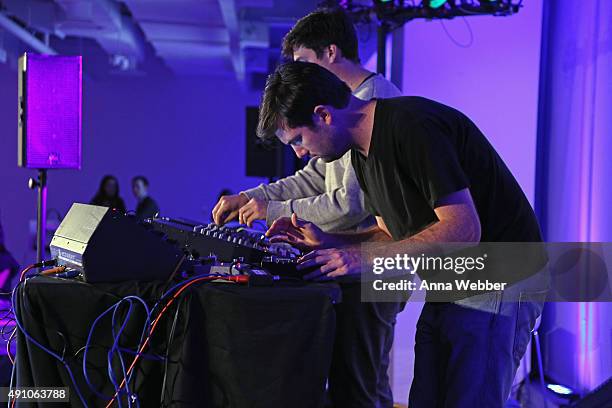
<point x="147" y="208"/>
<point x="422" y="151"/>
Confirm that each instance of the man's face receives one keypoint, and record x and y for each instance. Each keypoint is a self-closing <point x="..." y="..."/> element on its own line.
<point x="139" y="189"/>
<point x="321" y="140"/>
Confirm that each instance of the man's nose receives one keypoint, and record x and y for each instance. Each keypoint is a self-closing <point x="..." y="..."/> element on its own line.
<point x="300" y="151"/>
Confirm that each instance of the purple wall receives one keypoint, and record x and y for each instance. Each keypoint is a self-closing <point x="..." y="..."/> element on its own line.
<point x="495" y="82"/>
<point x="186" y="136"/>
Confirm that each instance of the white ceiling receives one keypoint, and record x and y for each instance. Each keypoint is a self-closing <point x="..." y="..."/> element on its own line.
<point x="186" y="37"/>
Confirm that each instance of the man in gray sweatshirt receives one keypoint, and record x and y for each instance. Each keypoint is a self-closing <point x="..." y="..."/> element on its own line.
<point x="328" y="195"/>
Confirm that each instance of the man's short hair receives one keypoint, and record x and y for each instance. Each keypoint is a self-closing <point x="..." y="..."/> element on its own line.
<point x="141" y="178"/>
<point x="320" y="29"/>
<point x="293" y="91"/>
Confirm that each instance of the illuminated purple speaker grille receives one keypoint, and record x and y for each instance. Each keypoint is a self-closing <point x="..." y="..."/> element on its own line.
<point x="52" y="112"/>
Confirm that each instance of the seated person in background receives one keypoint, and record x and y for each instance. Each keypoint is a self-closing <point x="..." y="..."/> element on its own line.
<point x="9" y="268"/>
<point x="326" y="194"/>
<point x="108" y="194"/>
<point x="147" y="207"/>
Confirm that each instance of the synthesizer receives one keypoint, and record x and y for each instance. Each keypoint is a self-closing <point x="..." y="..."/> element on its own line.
<point x="226" y="244"/>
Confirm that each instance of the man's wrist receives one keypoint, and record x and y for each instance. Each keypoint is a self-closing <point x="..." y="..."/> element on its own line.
<point x="256" y="192"/>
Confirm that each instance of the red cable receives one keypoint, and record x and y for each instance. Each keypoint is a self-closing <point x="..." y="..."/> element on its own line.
<point x="25" y="271"/>
<point x="8" y="347"/>
<point x="236" y="278"/>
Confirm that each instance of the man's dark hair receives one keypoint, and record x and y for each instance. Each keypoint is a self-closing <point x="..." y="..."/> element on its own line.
<point x="142" y="178"/>
<point x="293" y="91"/>
<point x="319" y="30"/>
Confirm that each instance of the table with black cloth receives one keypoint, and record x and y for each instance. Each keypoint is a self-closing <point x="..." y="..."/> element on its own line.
<point x="232" y="345"/>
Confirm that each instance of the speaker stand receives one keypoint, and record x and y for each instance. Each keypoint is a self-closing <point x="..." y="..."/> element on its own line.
<point x="41" y="212"/>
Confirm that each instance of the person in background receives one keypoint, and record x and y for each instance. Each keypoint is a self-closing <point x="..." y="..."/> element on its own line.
<point x="9" y="268"/>
<point x="108" y="194"/>
<point x="147" y="207"/>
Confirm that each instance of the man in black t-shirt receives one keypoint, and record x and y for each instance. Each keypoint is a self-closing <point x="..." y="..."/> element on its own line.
<point x="429" y="175"/>
<point x="147" y="207"/>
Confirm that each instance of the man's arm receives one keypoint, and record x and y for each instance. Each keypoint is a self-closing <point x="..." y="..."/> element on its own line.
<point x="304" y="183"/>
<point x="340" y="208"/>
<point x="376" y="233"/>
<point x="336" y="210"/>
<point x="458" y="221"/>
<point x="267" y="201"/>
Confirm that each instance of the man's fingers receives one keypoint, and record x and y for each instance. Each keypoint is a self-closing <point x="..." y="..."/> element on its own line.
<point x="284" y="226"/>
<point x="287" y="238"/>
<point x="314" y="275"/>
<point x="279" y="226"/>
<point x="340" y="271"/>
<point x="317" y="260"/>
<point x="281" y="238"/>
<point x="308" y="256"/>
<point x="315" y="253"/>
<point x="215" y="212"/>
<point x="219" y="216"/>
<point x="326" y="272"/>
<point x="227" y="216"/>
<point x="297" y="222"/>
<point x="249" y="218"/>
<point x="242" y="214"/>
<point x="222" y="212"/>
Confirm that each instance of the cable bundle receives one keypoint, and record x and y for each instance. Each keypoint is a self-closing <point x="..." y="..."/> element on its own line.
<point x="116" y="353"/>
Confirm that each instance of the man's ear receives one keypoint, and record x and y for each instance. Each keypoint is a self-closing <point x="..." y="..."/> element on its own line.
<point x="322" y="114"/>
<point x="333" y="53"/>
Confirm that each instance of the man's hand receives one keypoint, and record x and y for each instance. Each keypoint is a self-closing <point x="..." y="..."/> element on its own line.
<point x="331" y="263"/>
<point x="255" y="209"/>
<point x="227" y="208"/>
<point x="299" y="233"/>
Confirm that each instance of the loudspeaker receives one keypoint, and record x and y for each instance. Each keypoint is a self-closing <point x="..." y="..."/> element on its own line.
<point x="50" y="94"/>
<point x="108" y="246"/>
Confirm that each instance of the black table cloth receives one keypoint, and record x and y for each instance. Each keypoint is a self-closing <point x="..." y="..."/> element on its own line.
<point x="231" y="346"/>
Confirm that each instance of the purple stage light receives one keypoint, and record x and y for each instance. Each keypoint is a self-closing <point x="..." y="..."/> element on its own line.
<point x="50" y="111"/>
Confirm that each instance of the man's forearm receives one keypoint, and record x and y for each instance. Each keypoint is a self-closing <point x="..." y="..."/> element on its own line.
<point x="429" y="239"/>
<point x="307" y="182"/>
<point x="373" y="234"/>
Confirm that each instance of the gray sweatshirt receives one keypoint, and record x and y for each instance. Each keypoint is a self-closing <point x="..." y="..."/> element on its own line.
<point x="327" y="194"/>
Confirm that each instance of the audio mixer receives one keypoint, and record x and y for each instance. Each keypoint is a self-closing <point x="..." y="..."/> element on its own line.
<point x="226" y="244"/>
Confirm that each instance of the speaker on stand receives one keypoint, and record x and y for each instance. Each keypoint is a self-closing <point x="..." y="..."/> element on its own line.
<point x="49" y="123"/>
